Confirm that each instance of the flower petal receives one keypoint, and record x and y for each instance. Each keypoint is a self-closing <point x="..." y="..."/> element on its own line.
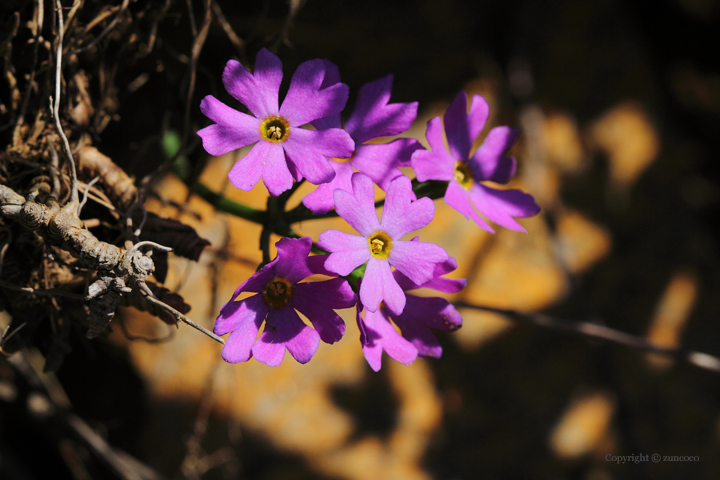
<point x="417" y="260"/>
<point x="456" y="127"/>
<point x="284" y="329"/>
<point x="292" y="256"/>
<point x="447" y="285"/>
<point x="238" y="346"/>
<point x="358" y="208"/>
<point x="258" y="280"/>
<point x="317" y="301"/>
<point x="257" y="91"/>
<point x="439" y="283"/>
<point x="379" y="335"/>
<point x="420" y="315"/>
<point x="303" y="344"/>
<point x="380" y="162"/>
<point x="436" y="163"/>
<point x="309" y="151"/>
<point x="305" y="101"/>
<point x="234" y="315"/>
<point x="458" y="198"/>
<point x="476" y="119"/>
<point x="332" y="76"/>
<point x="373" y="117"/>
<point x="232" y="129"/>
<point x="400" y="214"/>
<point x="265" y="160"/>
<point x="349" y="251"/>
<point x="500" y="206"/>
<point x="267" y="349"/>
<point x="321" y="199"/>
<point x="489" y="162"/>
<point x="316" y="264"/>
<point x="379" y="285"/>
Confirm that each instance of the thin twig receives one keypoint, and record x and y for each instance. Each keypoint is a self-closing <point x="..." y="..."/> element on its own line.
<point x="232" y="36"/>
<point x="107" y="30"/>
<point x="601" y="332"/>
<point x="98" y="197"/>
<point x="40" y="11"/>
<point x="179" y="316"/>
<point x="123" y="465"/>
<point x="138" y="231"/>
<point x="39" y="292"/>
<point x="195" y="54"/>
<point x="85" y="194"/>
<point x="55" y="106"/>
<point x="92" y="196"/>
<point x="5" y="246"/>
<point x="73" y="10"/>
<point x="191" y="17"/>
<point x="153" y="29"/>
<point x="5" y="337"/>
<point x="295" y="6"/>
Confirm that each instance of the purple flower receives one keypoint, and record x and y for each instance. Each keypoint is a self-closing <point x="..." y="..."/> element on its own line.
<point x="282" y="150"/>
<point x="373" y="117"/>
<point x="421" y="314"/>
<point x="465" y="172"/>
<point x="278" y="296"/>
<point x="380" y="245"/>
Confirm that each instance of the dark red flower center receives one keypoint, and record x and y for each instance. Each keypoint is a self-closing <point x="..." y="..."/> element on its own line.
<point x="277" y="293"/>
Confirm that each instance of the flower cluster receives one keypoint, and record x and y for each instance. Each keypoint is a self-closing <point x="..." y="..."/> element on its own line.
<point x="305" y="138"/>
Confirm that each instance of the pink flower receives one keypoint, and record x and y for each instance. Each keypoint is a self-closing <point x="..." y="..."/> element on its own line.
<point x="380" y="243"/>
<point x="373" y="117"/>
<point x="282" y="150"/>
<point x="421" y="314"/>
<point x="464" y="172"/>
<point x="278" y="296"/>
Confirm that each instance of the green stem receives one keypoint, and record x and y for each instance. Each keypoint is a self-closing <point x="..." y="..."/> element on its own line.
<point x="226" y="205"/>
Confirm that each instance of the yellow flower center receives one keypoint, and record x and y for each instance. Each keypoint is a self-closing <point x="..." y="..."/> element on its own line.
<point x="463" y="174"/>
<point x="275" y="129"/>
<point x="380" y="245"/>
<point x="277" y="293"/>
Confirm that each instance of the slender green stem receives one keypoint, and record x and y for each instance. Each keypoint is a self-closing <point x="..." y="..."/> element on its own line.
<point x="226" y="205"/>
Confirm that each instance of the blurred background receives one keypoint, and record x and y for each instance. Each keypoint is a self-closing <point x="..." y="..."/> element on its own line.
<point x="618" y="104"/>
